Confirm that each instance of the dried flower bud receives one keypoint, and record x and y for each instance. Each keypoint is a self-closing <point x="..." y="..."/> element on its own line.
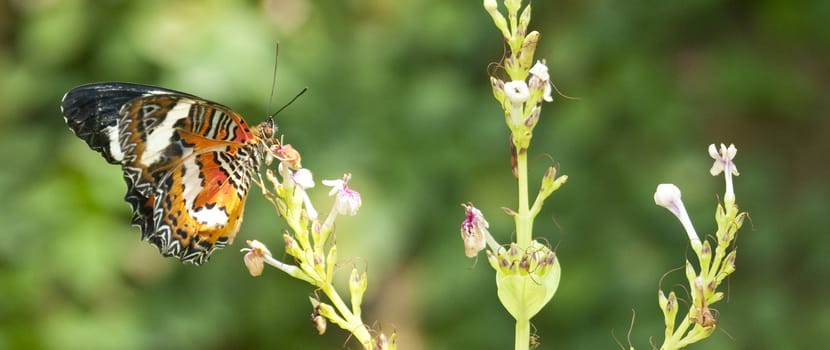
<point x="473" y="230"/>
<point x="255" y="257"/>
<point x="288" y="155"/>
<point x="318" y="320"/>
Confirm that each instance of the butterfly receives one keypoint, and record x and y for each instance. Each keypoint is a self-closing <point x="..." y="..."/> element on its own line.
<point x="188" y="162"/>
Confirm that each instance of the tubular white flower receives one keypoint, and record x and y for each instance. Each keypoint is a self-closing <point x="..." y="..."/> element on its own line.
<point x="303" y="178"/>
<point x="539" y="78"/>
<point x="668" y="196"/>
<point x="309" y="208"/>
<point x="723" y="163"/>
<point x="347" y="200"/>
<point x="517" y="91"/>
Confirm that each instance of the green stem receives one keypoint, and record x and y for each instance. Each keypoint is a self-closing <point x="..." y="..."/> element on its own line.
<point x="522" y="334"/>
<point x="355" y="324"/>
<point x="524" y="234"/>
<point x="524" y="219"/>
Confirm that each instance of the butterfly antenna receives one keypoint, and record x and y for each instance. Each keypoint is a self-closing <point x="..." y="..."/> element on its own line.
<point x="274" y="78"/>
<point x="292" y="100"/>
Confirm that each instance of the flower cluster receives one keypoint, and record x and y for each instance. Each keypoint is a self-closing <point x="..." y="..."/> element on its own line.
<point x="529" y="83"/>
<point x="713" y="268"/>
<point x="527" y="271"/>
<point x="307" y="242"/>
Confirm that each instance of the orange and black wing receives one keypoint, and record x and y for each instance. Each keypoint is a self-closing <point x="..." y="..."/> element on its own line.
<point x="187" y="161"/>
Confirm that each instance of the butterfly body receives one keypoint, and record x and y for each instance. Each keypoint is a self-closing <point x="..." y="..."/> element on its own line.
<point x="187" y="161"/>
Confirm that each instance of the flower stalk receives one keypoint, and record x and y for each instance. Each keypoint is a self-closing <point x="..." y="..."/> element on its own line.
<point x="307" y="241"/>
<point x="712" y="269"/>
<point x="527" y="271"/>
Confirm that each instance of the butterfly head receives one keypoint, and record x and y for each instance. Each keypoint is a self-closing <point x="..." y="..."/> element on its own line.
<point x="265" y="130"/>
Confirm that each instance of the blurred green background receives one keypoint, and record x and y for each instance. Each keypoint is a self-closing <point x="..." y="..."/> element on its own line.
<point x="399" y="97"/>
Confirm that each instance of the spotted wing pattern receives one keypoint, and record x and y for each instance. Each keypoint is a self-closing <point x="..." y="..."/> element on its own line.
<point x="187" y="161"/>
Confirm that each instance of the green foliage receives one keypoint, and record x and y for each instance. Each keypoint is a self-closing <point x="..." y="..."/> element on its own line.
<point x="399" y="97"/>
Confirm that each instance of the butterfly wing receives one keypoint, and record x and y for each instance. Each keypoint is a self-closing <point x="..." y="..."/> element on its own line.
<point x="187" y="162"/>
<point x="91" y="111"/>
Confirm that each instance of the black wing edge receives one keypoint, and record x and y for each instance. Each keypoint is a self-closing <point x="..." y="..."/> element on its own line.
<point x="91" y="108"/>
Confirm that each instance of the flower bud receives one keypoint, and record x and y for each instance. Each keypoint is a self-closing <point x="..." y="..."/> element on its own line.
<point x="729" y="263"/>
<point x="669" y="310"/>
<point x="691" y="275"/>
<point x="498" y="19"/>
<point x="531" y="121"/>
<point x="291" y="247"/>
<point x="705" y="256"/>
<point x="491" y="5"/>
<point x="527" y="50"/>
<point x="498" y="89"/>
<point x="550" y="183"/>
<point x="331" y="262"/>
<point x="357" y="287"/>
<point x="512" y="7"/>
<point x="524" y="21"/>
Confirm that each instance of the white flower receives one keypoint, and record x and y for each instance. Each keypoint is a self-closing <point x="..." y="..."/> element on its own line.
<point x="309" y="208"/>
<point x="336" y="185"/>
<point x="303" y="178"/>
<point x="668" y="196"/>
<point x="723" y="159"/>
<point x="723" y="163"/>
<point x="347" y="200"/>
<point x="539" y="77"/>
<point x="517" y="91"/>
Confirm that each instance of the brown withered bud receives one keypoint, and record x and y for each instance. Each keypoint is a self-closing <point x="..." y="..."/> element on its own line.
<point x="288" y="155"/>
